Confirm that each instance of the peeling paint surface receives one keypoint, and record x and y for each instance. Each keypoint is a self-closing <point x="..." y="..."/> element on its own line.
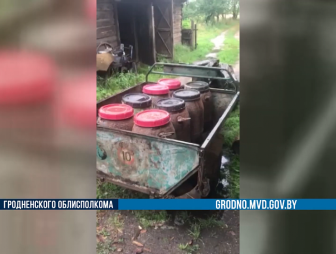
<point x="144" y="161"/>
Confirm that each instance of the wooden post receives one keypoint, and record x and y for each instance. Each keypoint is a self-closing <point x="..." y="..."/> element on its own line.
<point x="195" y="36"/>
<point x="192" y="35"/>
<point x="136" y="46"/>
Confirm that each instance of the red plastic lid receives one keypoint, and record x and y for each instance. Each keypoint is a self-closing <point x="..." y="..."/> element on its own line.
<point x="171" y="83"/>
<point x="155" y="89"/>
<point x="26" y="77"/>
<point x="152" y="118"/>
<point x="116" y="112"/>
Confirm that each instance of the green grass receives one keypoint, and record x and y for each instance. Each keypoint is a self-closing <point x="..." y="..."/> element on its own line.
<point x="231" y="127"/>
<point x="113" y="85"/>
<point x="151" y="218"/>
<point x="234" y="178"/>
<point x="230" y="132"/>
<point x="230" y="52"/>
<point x="105" y="247"/>
<point x="205" y="33"/>
<point x="189" y="249"/>
<point x="195" y="231"/>
<point x="107" y="190"/>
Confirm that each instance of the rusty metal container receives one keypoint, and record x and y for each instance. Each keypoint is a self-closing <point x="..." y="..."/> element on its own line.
<point x="154" y="122"/>
<point x="195" y="109"/>
<point x="116" y="116"/>
<point x="179" y="116"/>
<point x="138" y="101"/>
<point x="204" y="89"/>
<point x="173" y="84"/>
<point x="157" y="92"/>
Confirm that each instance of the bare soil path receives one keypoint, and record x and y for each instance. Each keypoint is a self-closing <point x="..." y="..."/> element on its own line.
<point x="120" y="231"/>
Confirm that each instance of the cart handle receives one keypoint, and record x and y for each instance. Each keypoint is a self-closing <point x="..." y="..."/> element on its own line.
<point x="231" y="78"/>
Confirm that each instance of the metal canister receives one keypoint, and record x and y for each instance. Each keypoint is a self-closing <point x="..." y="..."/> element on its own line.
<point x="195" y="109"/>
<point x="157" y="92"/>
<point x="116" y="116"/>
<point x="173" y="85"/>
<point x="154" y="122"/>
<point x="138" y="101"/>
<point x="179" y="116"/>
<point x="204" y="89"/>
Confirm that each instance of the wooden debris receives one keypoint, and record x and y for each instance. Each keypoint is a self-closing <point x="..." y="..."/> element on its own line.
<point x="138" y="244"/>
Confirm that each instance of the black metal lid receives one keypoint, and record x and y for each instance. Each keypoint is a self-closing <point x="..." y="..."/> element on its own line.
<point x="198" y="85"/>
<point x="171" y="104"/>
<point x="187" y="95"/>
<point x="137" y="100"/>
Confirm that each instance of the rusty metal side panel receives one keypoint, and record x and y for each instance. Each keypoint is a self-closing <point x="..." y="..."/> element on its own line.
<point x="220" y="102"/>
<point x="144" y="163"/>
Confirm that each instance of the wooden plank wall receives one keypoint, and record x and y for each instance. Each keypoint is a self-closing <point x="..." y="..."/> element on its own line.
<point x="177" y="22"/>
<point x="107" y="25"/>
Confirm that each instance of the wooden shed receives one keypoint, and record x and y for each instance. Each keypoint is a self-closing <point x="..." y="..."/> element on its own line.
<point x="152" y="27"/>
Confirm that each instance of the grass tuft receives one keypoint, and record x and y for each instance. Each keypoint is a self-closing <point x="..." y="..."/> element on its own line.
<point x="230" y="52"/>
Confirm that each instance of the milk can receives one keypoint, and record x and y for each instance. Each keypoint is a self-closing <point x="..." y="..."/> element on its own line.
<point x="157" y="92"/>
<point x="173" y="85"/>
<point x="179" y="116"/>
<point x="195" y="109"/>
<point x="204" y="89"/>
<point x="154" y="122"/>
<point x="138" y="101"/>
<point x="116" y="116"/>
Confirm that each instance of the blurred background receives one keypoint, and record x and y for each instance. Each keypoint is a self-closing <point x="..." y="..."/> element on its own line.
<point x="288" y="124"/>
<point x="47" y="122"/>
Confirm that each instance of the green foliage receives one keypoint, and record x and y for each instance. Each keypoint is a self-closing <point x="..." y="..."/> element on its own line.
<point x="230" y="132"/>
<point x="183" y="54"/>
<point x="195" y="231"/>
<point x="151" y="218"/>
<point x="107" y="190"/>
<point x="231" y="128"/>
<point x="209" y="11"/>
<point x="189" y="249"/>
<point x="230" y="52"/>
<point x="234" y="178"/>
<point x="186" y="24"/>
<point x="115" y="84"/>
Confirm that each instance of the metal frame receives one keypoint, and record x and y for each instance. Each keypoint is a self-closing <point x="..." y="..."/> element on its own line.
<point x="189" y="69"/>
<point x="201" y="148"/>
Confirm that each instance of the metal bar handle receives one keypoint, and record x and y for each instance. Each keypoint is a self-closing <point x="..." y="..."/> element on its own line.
<point x="231" y="78"/>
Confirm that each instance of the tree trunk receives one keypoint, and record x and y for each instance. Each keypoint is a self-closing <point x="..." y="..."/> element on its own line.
<point x="235" y="10"/>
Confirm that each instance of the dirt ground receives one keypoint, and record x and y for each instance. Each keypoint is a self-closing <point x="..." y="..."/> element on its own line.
<point x="213" y="233"/>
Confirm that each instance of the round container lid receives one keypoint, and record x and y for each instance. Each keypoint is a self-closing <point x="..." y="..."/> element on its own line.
<point x="171" y="104"/>
<point x="172" y="84"/>
<point x="152" y="118"/>
<point x="198" y="85"/>
<point x="137" y="100"/>
<point x="116" y="112"/>
<point x="26" y="77"/>
<point x="187" y="95"/>
<point x="155" y="89"/>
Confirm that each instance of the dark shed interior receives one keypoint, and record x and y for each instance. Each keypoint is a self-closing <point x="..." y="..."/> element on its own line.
<point x="135" y="29"/>
<point x="152" y="27"/>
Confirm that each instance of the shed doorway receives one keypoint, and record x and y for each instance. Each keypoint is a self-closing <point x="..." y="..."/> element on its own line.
<point x="136" y="29"/>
